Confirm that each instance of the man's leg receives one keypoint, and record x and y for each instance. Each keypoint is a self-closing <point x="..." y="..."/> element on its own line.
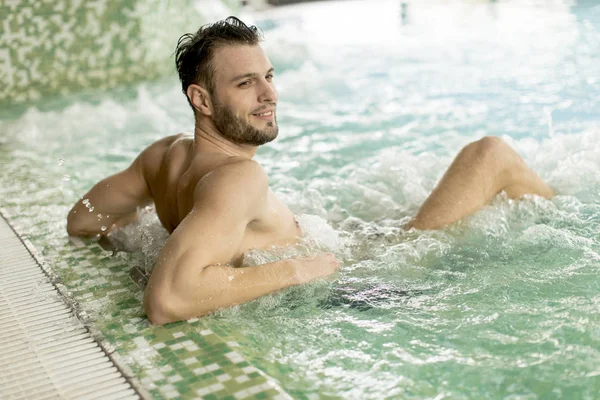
<point x="480" y="171"/>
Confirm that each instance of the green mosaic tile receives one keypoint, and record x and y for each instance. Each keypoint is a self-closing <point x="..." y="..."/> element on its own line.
<point x="62" y="47"/>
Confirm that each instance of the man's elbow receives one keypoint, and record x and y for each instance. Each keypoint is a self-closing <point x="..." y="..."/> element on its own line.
<point x="161" y="310"/>
<point x="73" y="228"/>
<point x="158" y="318"/>
<point x="82" y="224"/>
<point x="157" y="311"/>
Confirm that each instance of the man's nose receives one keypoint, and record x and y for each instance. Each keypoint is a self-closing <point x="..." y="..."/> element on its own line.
<point x="268" y="93"/>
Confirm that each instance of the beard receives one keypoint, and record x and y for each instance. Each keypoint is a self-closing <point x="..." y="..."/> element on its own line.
<point x="239" y="131"/>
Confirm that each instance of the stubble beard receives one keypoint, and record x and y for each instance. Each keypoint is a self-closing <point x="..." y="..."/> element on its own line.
<point x="238" y="131"/>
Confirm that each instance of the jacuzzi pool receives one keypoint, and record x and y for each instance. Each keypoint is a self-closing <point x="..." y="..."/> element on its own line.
<point x="376" y="98"/>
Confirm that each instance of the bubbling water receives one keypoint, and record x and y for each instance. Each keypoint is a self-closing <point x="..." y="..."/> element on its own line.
<point x="147" y="236"/>
<point x="144" y="238"/>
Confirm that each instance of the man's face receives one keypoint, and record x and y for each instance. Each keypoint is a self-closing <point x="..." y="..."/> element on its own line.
<point x="244" y="98"/>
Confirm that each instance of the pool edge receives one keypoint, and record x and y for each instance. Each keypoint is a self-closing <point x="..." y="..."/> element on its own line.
<point x="97" y="335"/>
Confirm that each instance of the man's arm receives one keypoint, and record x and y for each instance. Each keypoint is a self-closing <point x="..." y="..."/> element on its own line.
<point x="192" y="278"/>
<point x="114" y="201"/>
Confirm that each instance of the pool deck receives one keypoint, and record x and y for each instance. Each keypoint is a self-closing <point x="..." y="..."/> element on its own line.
<point x="46" y="351"/>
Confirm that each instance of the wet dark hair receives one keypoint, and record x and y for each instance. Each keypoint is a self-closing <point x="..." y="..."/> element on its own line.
<point x="194" y="53"/>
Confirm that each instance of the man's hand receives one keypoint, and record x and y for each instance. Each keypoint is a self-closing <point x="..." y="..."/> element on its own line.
<point x="315" y="267"/>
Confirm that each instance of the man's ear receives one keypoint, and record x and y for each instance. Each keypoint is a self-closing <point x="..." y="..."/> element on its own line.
<point x="200" y="99"/>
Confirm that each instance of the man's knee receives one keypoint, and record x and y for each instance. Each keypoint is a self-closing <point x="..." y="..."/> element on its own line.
<point x="492" y="155"/>
<point x="484" y="148"/>
<point x="492" y="148"/>
<point x="491" y="145"/>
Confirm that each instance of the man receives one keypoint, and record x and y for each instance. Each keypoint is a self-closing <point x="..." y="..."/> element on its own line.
<point x="215" y="200"/>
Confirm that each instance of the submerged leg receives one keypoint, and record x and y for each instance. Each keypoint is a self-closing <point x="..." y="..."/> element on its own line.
<point x="480" y="171"/>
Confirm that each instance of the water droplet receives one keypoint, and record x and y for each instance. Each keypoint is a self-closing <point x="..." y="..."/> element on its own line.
<point x="91" y="209"/>
<point x="85" y="201"/>
<point x="61" y="161"/>
<point x="103" y="228"/>
<point x="99" y="217"/>
<point x="230" y="278"/>
<point x="66" y="177"/>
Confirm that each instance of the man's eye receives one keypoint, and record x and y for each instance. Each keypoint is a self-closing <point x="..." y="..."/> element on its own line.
<point x="270" y="76"/>
<point x="245" y="83"/>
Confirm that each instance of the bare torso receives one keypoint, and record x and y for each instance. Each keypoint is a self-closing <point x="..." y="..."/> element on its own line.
<point x="172" y="180"/>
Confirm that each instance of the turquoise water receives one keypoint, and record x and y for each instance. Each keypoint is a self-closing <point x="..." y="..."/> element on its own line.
<point x="373" y="107"/>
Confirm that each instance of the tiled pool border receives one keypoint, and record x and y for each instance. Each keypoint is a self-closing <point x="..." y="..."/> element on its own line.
<point x="181" y="360"/>
<point x="47" y="273"/>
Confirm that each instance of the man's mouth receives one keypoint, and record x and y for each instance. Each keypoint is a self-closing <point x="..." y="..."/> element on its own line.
<point x="266" y="114"/>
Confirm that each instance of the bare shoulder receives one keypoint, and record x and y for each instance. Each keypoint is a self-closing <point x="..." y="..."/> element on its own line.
<point x="153" y="155"/>
<point x="242" y="169"/>
<point x="239" y="180"/>
<point x="158" y="149"/>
